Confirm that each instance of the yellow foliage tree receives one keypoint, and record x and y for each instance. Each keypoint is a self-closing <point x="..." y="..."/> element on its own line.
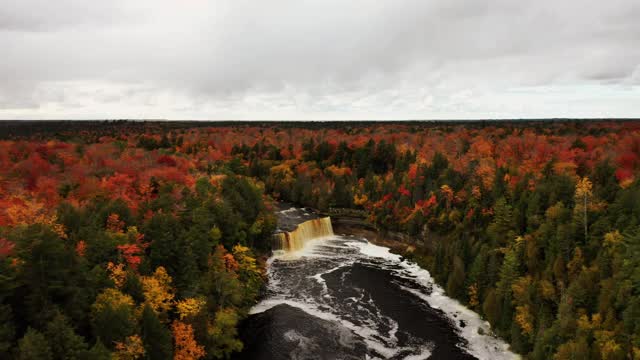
<point x="525" y="319"/>
<point x="112" y="298"/>
<point x="360" y="200"/>
<point x="248" y="271"/>
<point x="246" y="262"/>
<point x="613" y="239"/>
<point x="157" y="290"/>
<point x="609" y="348"/>
<point x="283" y="172"/>
<point x="190" y="307"/>
<point x="583" y="193"/>
<point x="473" y="295"/>
<point x="30" y="211"/>
<point x="547" y="290"/>
<point x="584" y="188"/>
<point x="586" y="325"/>
<point x="117" y="274"/>
<point x="447" y="192"/>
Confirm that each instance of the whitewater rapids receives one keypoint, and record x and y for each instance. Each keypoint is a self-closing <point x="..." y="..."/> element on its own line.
<point x="339" y="296"/>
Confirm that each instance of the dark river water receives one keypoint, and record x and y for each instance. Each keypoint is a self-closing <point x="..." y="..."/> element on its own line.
<point x="342" y="297"/>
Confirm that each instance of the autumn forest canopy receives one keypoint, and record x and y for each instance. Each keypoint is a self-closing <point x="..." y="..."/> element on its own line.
<point x="148" y="240"/>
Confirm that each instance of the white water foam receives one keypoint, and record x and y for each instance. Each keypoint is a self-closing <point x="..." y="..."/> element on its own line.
<point x="318" y="277"/>
<point x="289" y="211"/>
<point x="367" y="334"/>
<point x="482" y="346"/>
<point x="425" y="353"/>
<point x="383" y="344"/>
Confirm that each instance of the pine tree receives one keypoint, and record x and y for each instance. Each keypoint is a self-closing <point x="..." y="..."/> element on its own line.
<point x="34" y="345"/>
<point x="113" y="316"/>
<point x="7" y="329"/>
<point x="65" y="343"/>
<point x="491" y="306"/>
<point x="455" y="284"/>
<point x="340" y="195"/>
<point x="510" y="269"/>
<point x="155" y="336"/>
<point x="98" y="352"/>
<point x="501" y="228"/>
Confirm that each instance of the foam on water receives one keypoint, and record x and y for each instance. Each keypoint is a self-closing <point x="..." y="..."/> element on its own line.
<point x="368" y="334"/>
<point x="425" y="353"/>
<point x="296" y="278"/>
<point x="290" y="212"/>
<point x="482" y="346"/>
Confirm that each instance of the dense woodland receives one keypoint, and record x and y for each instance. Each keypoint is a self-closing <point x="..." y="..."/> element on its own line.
<point x="111" y="250"/>
<point x="142" y="241"/>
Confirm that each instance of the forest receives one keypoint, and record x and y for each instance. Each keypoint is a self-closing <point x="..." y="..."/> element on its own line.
<point x="134" y="241"/>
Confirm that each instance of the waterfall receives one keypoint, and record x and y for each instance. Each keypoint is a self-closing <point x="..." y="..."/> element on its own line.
<point x="308" y="230"/>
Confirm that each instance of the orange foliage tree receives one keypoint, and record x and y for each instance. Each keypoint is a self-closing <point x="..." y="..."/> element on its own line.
<point x="186" y="347"/>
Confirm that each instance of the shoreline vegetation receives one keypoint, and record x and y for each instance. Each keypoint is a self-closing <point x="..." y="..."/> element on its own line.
<point x="535" y="225"/>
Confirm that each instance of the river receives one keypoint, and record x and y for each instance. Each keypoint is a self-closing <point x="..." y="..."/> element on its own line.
<point x="342" y="297"/>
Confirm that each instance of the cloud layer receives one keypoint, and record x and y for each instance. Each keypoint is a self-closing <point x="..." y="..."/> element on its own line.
<point x="287" y="59"/>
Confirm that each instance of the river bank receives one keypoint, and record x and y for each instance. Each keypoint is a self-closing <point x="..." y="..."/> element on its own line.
<point x="398" y="243"/>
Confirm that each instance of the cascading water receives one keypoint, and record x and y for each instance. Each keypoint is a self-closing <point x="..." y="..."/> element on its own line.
<point x="288" y="241"/>
<point x="341" y="297"/>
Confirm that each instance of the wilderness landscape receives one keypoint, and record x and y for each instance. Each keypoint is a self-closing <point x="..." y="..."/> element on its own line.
<point x="156" y="239"/>
<point x="320" y="180"/>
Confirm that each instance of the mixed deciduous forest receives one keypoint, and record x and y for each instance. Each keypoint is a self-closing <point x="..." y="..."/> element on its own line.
<point x="147" y="240"/>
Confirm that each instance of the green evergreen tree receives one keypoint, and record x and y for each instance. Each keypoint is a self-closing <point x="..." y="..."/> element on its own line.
<point x="491" y="307"/>
<point x="7" y="329"/>
<point x="64" y="342"/>
<point x="341" y="196"/>
<point x="46" y="271"/>
<point x="133" y="287"/>
<point x="34" y="345"/>
<point x="113" y="316"/>
<point x="501" y="229"/>
<point x="510" y="269"/>
<point x="455" y="284"/>
<point x="98" y="352"/>
<point x="155" y="336"/>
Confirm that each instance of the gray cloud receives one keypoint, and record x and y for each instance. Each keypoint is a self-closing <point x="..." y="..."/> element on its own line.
<point x="332" y="59"/>
<point x="43" y="15"/>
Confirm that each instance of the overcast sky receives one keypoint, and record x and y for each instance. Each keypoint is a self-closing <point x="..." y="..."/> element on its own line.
<point x="324" y="59"/>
